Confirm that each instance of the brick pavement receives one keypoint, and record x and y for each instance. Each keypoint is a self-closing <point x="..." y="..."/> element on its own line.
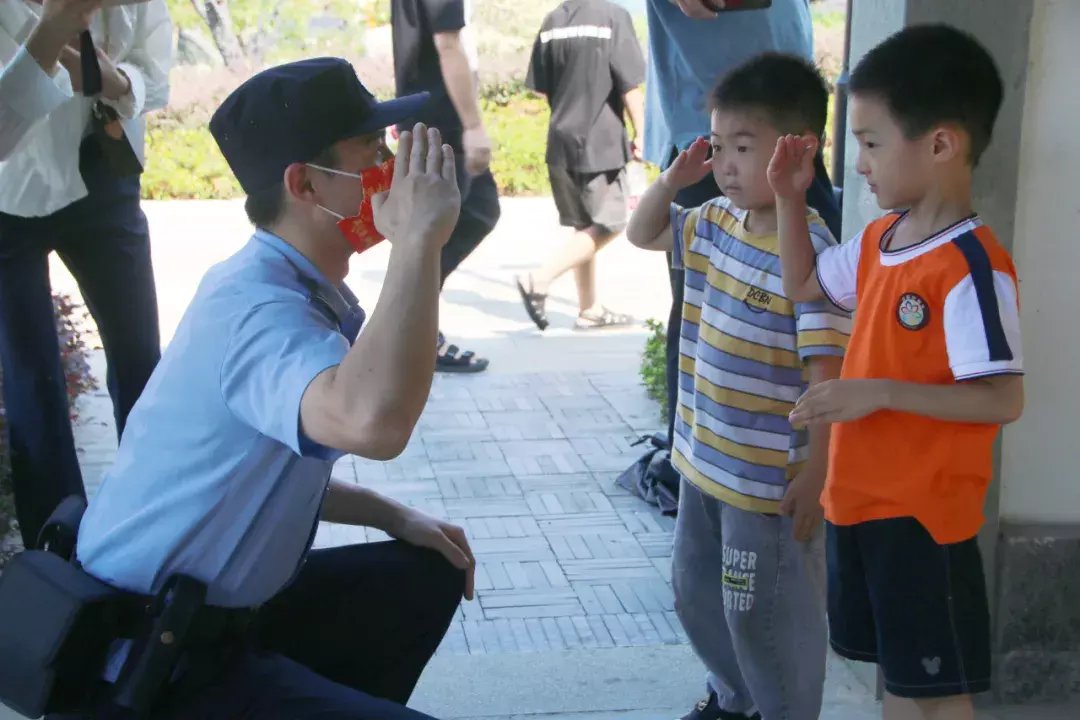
<point x="527" y="465"/>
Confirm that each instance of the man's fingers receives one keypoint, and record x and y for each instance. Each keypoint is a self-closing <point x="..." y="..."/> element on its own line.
<point x="401" y="166"/>
<point x="378" y="199"/>
<point x="449" y="164"/>
<point x="434" y="153"/>
<point x="461" y="540"/>
<point x="418" y="156"/>
<point x="450" y="550"/>
<point x="696" y="9"/>
<point x="458" y="537"/>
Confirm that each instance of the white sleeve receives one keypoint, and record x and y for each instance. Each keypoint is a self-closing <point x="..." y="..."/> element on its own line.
<point x="838" y="272"/>
<point x="982" y="326"/>
<point x="27" y="95"/>
<point x="147" y="66"/>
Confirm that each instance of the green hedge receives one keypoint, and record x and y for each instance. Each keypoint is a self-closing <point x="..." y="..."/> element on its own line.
<point x="653" y="369"/>
<point x="183" y="161"/>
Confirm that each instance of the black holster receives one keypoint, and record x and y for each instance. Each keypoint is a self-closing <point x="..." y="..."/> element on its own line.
<point x="58" y="624"/>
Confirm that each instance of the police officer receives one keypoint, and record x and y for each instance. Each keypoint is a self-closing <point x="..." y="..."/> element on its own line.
<point x="224" y="471"/>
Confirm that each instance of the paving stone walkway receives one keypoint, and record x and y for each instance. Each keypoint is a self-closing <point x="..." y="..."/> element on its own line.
<point x="527" y="465"/>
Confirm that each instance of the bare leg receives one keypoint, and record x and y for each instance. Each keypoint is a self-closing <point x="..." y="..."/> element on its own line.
<point x="577" y="253"/>
<point x="897" y="708"/>
<point x="957" y="707"/>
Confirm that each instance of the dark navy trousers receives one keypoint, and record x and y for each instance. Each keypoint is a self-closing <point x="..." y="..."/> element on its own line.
<point x="104" y="241"/>
<point x="346" y="641"/>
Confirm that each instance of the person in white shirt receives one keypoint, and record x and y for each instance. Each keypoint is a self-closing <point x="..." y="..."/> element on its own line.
<point x="62" y="189"/>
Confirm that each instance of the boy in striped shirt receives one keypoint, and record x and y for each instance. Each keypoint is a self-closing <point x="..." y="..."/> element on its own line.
<point x="748" y="569"/>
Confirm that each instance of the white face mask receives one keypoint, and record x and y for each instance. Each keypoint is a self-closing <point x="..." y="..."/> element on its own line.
<point x="336" y="215"/>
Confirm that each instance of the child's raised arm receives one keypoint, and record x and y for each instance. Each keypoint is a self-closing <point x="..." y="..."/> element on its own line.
<point x="791" y="171"/>
<point x="650" y="225"/>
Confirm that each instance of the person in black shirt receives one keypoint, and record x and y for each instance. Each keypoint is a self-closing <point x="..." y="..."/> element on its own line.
<point x="433" y="53"/>
<point x="588" y="63"/>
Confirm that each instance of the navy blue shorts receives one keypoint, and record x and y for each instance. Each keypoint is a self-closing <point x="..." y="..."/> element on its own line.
<point x="918" y="609"/>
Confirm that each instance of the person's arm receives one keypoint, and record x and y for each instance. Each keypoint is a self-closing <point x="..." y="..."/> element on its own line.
<point x="34" y="84"/>
<point x="822" y="331"/>
<point x="981" y="321"/>
<point x="635" y="108"/>
<point x="650" y="227"/>
<point x="997" y="400"/>
<point x="147" y="65"/>
<point x="650" y="224"/>
<point x="798" y="264"/>
<point x="537" y="78"/>
<point x="350" y="504"/>
<point x="459" y="78"/>
<point x="802" y="500"/>
<point x="628" y="74"/>
<point x="369" y="404"/>
<point x="791" y="171"/>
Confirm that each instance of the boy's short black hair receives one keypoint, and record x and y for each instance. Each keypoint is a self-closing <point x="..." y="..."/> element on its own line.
<point x="788" y="89"/>
<point x="264" y="208"/>
<point x="929" y="74"/>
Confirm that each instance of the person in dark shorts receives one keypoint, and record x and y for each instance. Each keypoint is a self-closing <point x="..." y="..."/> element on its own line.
<point x="588" y="63"/>
<point x="932" y="371"/>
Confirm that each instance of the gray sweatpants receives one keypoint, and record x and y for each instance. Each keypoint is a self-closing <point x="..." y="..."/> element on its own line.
<point x="752" y="601"/>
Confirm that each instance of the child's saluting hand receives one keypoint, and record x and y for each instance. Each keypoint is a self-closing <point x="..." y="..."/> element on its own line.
<point x="690" y="167"/>
<point x="791" y="169"/>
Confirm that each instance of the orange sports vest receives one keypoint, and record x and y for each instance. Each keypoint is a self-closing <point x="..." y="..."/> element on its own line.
<point x="892" y="464"/>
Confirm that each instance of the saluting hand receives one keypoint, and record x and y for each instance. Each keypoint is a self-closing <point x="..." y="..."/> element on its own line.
<point x="791" y="169"/>
<point x="423" y="201"/>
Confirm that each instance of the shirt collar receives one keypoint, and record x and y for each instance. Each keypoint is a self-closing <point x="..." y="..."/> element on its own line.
<point x="338" y="299"/>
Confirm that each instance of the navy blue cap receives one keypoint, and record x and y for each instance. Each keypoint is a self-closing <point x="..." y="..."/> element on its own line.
<point x="291" y="113"/>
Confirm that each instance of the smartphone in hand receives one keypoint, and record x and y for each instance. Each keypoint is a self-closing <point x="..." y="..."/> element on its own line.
<point x="729" y="5"/>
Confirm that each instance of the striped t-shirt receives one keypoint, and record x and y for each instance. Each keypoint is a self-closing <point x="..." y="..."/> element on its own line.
<point x="742" y="351"/>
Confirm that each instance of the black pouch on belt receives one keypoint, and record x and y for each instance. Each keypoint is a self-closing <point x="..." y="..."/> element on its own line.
<point x="56" y="625"/>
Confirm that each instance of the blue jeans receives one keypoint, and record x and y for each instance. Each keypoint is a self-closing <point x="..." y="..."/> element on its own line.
<point x="752" y="601"/>
<point x="104" y="242"/>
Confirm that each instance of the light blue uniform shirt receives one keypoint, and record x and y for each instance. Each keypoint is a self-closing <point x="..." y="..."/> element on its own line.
<point x="688" y="57"/>
<point x="213" y="477"/>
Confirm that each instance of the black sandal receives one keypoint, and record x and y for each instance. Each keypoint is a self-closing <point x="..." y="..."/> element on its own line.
<point x="606" y="319"/>
<point x="534" y="303"/>
<point x="450" y="362"/>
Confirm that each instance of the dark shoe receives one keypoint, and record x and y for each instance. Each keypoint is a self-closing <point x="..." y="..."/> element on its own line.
<point x="534" y="303"/>
<point x="709" y="709"/>
<point x="448" y="360"/>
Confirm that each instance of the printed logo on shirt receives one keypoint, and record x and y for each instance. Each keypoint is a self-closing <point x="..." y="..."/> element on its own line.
<point x="576" y="31"/>
<point x="740" y="570"/>
<point x="757" y="299"/>
<point x="912" y="312"/>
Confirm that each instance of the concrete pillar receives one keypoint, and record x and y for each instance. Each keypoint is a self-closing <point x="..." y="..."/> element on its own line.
<point x="1038" y="558"/>
<point x="1027" y="188"/>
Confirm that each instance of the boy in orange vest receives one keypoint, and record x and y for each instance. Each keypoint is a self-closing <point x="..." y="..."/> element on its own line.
<point x="933" y="369"/>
